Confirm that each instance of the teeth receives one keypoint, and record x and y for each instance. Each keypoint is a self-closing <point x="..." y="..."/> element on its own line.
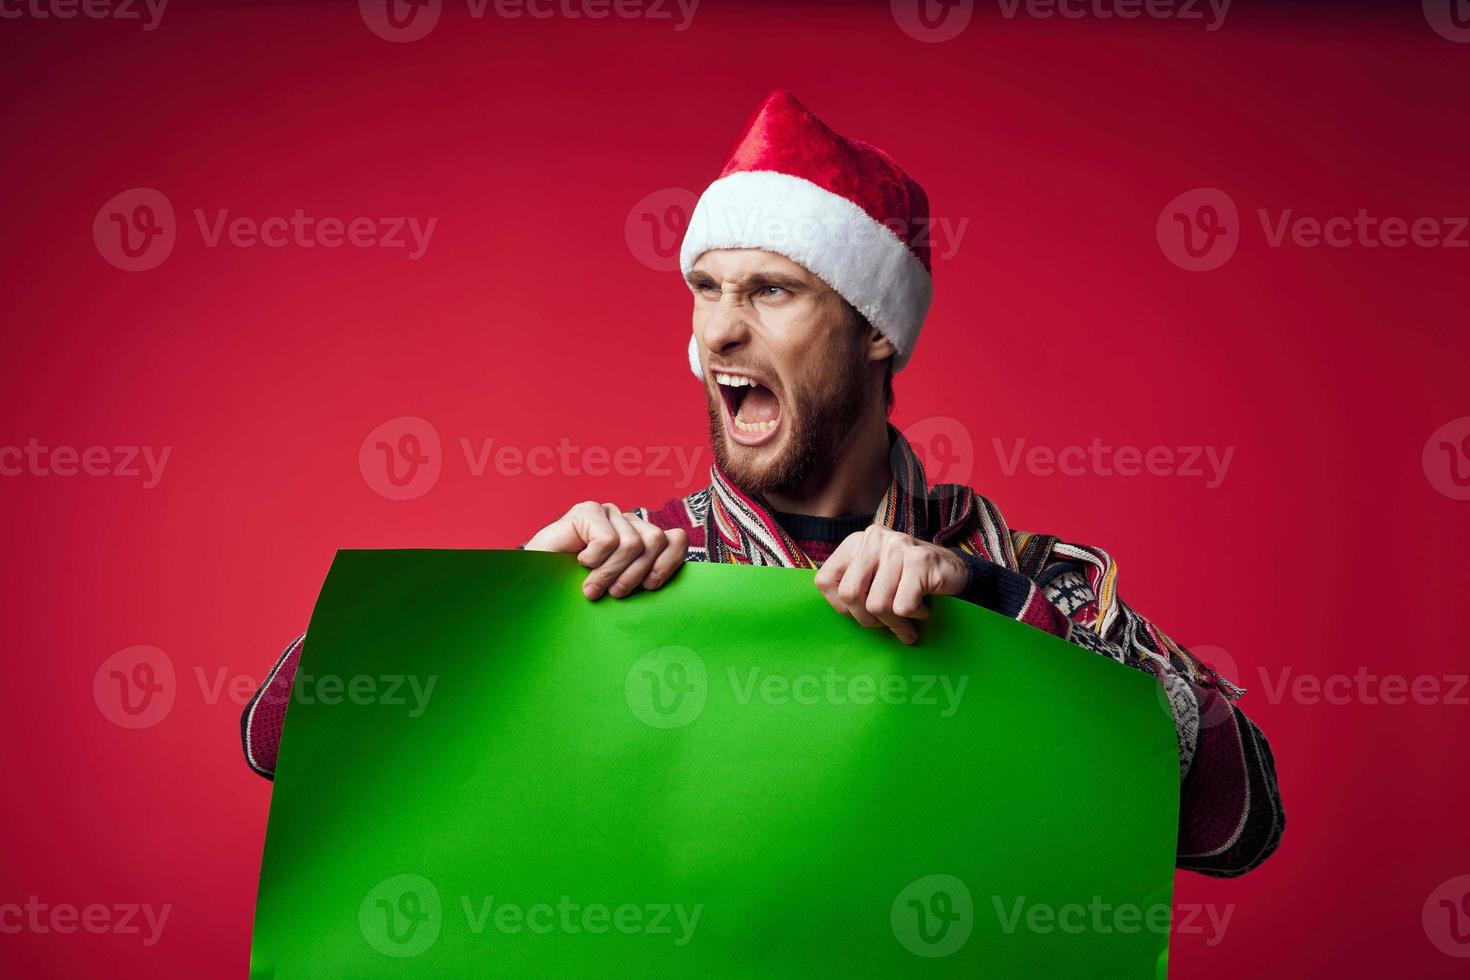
<point x="740" y="381"/>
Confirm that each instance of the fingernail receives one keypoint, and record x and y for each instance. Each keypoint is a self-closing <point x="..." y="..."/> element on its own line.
<point x="617" y="591"/>
<point x="589" y="590"/>
<point x="651" y="581"/>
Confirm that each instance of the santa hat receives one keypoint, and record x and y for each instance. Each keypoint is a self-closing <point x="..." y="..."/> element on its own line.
<point x="838" y="207"/>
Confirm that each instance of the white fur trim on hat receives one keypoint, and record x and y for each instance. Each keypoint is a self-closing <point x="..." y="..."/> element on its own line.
<point x="828" y="235"/>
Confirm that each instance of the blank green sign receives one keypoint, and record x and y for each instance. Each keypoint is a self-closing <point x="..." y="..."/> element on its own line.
<point x="484" y="774"/>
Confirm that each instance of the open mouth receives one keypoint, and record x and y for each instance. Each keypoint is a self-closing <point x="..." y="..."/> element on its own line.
<point x="752" y="411"/>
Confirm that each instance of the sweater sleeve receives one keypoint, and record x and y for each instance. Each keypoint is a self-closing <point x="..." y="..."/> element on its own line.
<point x="1230" y="814"/>
<point x="264" y="717"/>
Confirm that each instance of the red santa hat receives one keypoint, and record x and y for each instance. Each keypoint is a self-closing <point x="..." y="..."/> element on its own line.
<point x="840" y="208"/>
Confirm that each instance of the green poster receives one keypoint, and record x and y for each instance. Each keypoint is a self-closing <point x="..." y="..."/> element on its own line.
<point x="485" y="775"/>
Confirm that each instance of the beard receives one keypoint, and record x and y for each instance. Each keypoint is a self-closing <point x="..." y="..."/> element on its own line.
<point x="819" y="411"/>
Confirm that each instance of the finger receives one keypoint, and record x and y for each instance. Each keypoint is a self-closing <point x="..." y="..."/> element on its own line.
<point x="830" y="574"/>
<point x="881" y="592"/>
<point x="562" y="534"/>
<point x="885" y="581"/>
<point x="596" y="530"/>
<point x="908" y="599"/>
<point x="670" y="560"/>
<point x="853" y="589"/>
<point x="629" y="547"/>
<point x="654" y="541"/>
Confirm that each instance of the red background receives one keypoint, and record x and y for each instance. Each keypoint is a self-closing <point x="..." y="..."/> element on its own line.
<point x="1327" y="547"/>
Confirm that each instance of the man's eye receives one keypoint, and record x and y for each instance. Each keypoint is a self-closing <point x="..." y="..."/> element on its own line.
<point x="769" y="291"/>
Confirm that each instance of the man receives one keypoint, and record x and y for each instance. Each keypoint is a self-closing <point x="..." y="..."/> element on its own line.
<point x="810" y="284"/>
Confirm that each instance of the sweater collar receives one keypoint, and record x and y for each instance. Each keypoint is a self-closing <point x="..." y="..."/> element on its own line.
<point x="743" y="530"/>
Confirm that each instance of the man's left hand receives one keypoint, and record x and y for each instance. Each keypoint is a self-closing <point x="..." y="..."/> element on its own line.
<point x="880" y="577"/>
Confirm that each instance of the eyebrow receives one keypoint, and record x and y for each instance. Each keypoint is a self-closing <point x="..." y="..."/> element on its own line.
<point x="755" y="280"/>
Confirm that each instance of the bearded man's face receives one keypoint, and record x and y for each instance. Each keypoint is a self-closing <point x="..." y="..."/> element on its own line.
<point x="785" y="366"/>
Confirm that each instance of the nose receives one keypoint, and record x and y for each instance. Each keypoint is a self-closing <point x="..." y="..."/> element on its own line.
<point x="725" y="324"/>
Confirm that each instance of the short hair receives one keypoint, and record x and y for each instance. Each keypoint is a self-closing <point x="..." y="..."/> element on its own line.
<point x="888" y="388"/>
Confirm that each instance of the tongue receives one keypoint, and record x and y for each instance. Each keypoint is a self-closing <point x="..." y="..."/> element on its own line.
<point x="759" y="405"/>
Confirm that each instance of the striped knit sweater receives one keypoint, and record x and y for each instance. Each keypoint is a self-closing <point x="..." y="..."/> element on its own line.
<point x="1230" y="816"/>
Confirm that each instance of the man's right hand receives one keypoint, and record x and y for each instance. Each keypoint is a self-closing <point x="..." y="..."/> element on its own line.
<point x="623" y="551"/>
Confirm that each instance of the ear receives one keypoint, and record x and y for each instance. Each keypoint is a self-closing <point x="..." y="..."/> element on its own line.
<point x="880" y="348"/>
